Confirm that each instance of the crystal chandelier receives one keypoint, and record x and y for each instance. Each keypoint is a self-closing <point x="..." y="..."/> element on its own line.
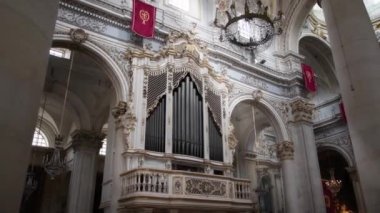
<point x="55" y="165"/>
<point x="247" y="23"/>
<point x="333" y="185"/>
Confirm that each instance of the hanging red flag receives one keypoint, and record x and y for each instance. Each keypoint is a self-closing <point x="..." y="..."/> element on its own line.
<point x="143" y="19"/>
<point x="342" y="112"/>
<point x="308" y="77"/>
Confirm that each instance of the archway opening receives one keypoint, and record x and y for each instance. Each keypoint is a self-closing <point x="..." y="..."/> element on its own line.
<point x="255" y="156"/>
<point x="90" y="91"/>
<point x="333" y="160"/>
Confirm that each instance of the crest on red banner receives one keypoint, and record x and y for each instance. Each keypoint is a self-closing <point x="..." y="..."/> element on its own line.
<point x="143" y="19"/>
<point x="309" y="78"/>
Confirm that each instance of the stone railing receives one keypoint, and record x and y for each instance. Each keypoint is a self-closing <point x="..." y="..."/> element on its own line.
<point x="184" y="186"/>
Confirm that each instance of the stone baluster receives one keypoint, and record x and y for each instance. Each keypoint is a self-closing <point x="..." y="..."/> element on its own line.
<point x="86" y="145"/>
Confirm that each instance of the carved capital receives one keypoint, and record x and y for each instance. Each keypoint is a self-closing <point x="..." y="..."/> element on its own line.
<point x="87" y="139"/>
<point x="285" y="150"/>
<point x="302" y="110"/>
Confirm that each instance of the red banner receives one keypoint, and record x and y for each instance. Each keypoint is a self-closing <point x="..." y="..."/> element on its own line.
<point x="342" y="112"/>
<point x="309" y="78"/>
<point x="143" y="19"/>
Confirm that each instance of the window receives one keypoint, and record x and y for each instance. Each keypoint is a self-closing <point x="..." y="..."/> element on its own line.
<point x="103" y="150"/>
<point x="181" y="4"/>
<point x="60" y="52"/>
<point x="39" y="139"/>
<point x="186" y="7"/>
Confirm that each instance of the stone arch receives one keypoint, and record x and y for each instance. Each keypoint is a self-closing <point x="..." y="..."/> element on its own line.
<point x="269" y="111"/>
<point x="339" y="150"/>
<point x="298" y="13"/>
<point x="112" y="69"/>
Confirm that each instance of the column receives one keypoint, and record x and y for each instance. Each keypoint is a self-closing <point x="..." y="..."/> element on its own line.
<point x="356" y="57"/>
<point x="27" y="29"/>
<point x="285" y="152"/>
<point x="121" y="144"/>
<point x="86" y="145"/>
<point x="302" y="131"/>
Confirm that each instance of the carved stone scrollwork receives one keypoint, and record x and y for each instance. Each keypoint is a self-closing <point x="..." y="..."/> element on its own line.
<point x="285" y="150"/>
<point x="205" y="187"/>
<point x="177" y="185"/>
<point x="125" y="120"/>
<point x="78" y="35"/>
<point x="257" y="95"/>
<point x="119" y="110"/>
<point x="302" y="110"/>
<point x="232" y="140"/>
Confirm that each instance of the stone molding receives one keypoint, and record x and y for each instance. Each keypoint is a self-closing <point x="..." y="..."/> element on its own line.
<point x="87" y="139"/>
<point x="285" y="150"/>
<point x="302" y="110"/>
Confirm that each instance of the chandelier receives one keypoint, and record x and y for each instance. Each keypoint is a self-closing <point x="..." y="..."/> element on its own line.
<point x="333" y="185"/>
<point x="247" y="23"/>
<point x="55" y="165"/>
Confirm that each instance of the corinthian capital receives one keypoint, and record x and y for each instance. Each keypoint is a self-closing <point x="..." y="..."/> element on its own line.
<point x="285" y="150"/>
<point x="302" y="110"/>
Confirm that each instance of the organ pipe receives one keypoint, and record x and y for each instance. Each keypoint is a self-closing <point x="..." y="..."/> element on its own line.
<point x="155" y="128"/>
<point x="187" y="119"/>
<point x="215" y="138"/>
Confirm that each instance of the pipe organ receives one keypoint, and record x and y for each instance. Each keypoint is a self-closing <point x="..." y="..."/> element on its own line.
<point x="191" y="101"/>
<point x="176" y="138"/>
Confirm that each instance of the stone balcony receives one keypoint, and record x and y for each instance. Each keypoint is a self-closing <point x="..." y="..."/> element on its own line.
<point x="173" y="189"/>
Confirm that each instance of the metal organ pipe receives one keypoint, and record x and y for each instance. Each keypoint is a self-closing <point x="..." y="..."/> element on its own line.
<point x="155" y="128"/>
<point x="187" y="113"/>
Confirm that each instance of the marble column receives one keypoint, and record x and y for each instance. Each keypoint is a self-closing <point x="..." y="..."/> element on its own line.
<point x="310" y="182"/>
<point x="86" y="145"/>
<point x="27" y="28"/>
<point x="356" y="57"/>
<point x="285" y="152"/>
<point x="121" y="144"/>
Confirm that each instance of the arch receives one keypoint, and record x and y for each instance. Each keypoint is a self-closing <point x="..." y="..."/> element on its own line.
<point x="298" y="13"/>
<point x="339" y="150"/>
<point x="268" y="110"/>
<point x="308" y="34"/>
<point x="113" y="71"/>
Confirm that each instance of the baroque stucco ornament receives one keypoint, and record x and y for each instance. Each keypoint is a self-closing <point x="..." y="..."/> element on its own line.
<point x="232" y="140"/>
<point x="302" y="110"/>
<point x="285" y="150"/>
<point x="125" y="119"/>
<point x="78" y="35"/>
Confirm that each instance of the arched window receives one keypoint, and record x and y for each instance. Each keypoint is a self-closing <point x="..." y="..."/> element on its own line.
<point x="103" y="150"/>
<point x="39" y="139"/>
